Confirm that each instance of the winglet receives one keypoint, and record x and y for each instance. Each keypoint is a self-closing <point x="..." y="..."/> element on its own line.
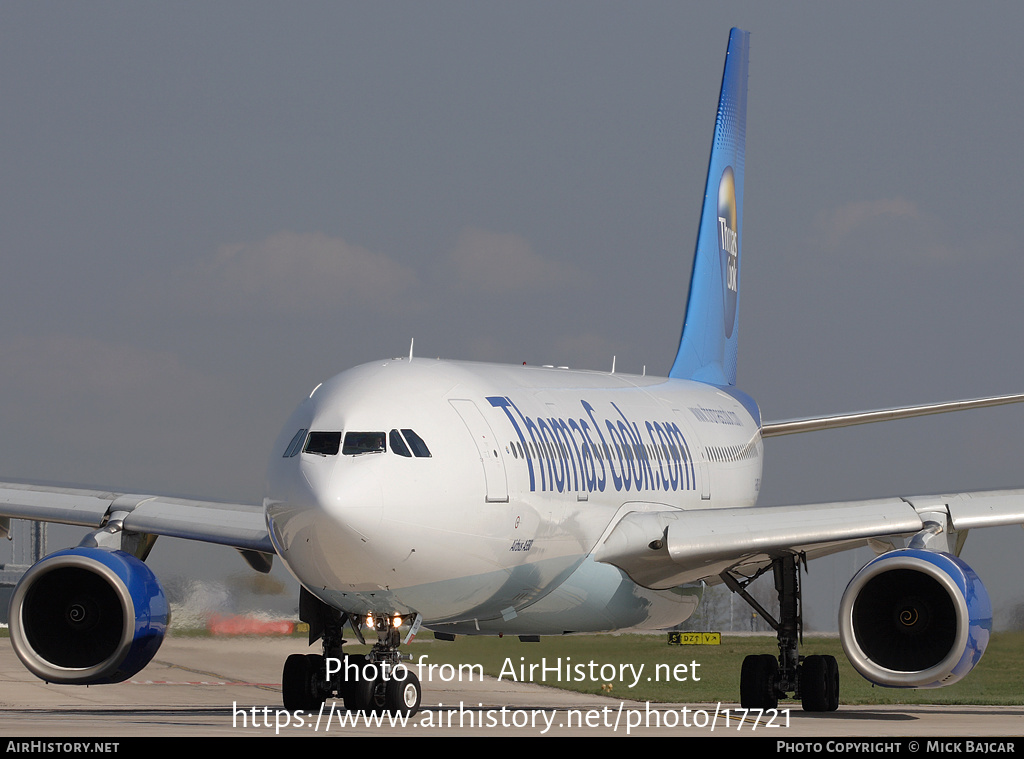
<point x="707" y="348"/>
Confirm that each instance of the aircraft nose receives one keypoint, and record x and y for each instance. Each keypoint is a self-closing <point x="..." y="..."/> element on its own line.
<point x="354" y="497"/>
<point x="329" y="528"/>
<point x="343" y="494"/>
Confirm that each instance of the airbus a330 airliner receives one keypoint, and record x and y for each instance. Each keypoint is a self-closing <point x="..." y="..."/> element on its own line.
<point x="480" y="499"/>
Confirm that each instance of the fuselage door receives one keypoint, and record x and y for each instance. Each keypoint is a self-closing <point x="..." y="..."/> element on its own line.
<point x="487" y="446"/>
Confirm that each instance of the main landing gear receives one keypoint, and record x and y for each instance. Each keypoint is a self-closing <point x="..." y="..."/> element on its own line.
<point x="765" y="679"/>
<point x="375" y="682"/>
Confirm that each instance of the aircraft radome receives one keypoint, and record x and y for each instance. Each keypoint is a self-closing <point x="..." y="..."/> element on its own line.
<point x="480" y="499"/>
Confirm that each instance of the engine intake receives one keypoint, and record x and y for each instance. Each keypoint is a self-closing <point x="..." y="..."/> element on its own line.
<point x="915" y="619"/>
<point x="87" y="616"/>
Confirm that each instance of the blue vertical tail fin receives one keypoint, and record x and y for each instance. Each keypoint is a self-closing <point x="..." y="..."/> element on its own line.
<point x="707" y="348"/>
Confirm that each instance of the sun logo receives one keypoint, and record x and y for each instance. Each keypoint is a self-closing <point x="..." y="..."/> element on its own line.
<point x="728" y="246"/>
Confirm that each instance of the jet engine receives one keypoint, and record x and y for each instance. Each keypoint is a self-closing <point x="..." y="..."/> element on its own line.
<point x="915" y="619"/>
<point x="86" y="616"/>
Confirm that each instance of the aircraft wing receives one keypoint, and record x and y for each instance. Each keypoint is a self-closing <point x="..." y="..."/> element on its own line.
<point x="664" y="549"/>
<point x="835" y="421"/>
<point x="241" y="526"/>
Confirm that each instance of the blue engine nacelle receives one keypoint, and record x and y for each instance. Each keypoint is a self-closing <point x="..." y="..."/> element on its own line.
<point x="915" y="619"/>
<point x="87" y="616"/>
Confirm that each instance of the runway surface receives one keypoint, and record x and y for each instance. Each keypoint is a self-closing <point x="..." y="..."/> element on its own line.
<point x="232" y="687"/>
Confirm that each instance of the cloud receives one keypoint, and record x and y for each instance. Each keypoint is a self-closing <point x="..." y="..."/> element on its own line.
<point x="852" y="217"/>
<point x="494" y="263"/>
<point x="299" y="273"/>
<point x="303" y="274"/>
<point x="894" y="228"/>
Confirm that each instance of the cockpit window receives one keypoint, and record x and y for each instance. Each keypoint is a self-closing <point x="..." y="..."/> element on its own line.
<point x="363" y="442"/>
<point x="397" y="444"/>
<point x="419" y="448"/>
<point x="296" y="445"/>
<point x="323" y="443"/>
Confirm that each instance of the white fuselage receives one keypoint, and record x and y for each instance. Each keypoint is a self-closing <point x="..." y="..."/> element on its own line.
<point x="528" y="469"/>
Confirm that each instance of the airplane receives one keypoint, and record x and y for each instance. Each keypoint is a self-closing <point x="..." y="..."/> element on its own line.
<point x="481" y="499"/>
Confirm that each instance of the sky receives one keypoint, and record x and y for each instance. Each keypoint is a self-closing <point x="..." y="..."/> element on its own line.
<point x="209" y="208"/>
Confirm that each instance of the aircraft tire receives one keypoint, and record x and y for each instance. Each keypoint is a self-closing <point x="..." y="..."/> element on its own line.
<point x="757" y="682"/>
<point x="819" y="684"/>
<point x="403" y="696"/>
<point x="368" y="693"/>
<point x="348" y="685"/>
<point x="299" y="690"/>
<point x="833" y="678"/>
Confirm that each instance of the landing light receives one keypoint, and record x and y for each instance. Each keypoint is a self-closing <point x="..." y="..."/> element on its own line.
<point x="397" y="621"/>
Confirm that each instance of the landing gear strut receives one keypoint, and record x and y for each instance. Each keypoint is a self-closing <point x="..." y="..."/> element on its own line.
<point x="374" y="682"/>
<point x="379" y="681"/>
<point x="764" y="679"/>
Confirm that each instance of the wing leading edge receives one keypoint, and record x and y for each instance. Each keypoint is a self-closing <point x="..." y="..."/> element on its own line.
<point x="665" y="549"/>
<point x="813" y="424"/>
<point x="240" y="526"/>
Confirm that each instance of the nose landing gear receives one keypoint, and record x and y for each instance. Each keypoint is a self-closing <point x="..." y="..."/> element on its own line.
<point x="379" y="681"/>
<point x="375" y="682"/>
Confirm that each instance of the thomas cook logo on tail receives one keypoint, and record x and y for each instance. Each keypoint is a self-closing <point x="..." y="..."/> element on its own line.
<point x="728" y="247"/>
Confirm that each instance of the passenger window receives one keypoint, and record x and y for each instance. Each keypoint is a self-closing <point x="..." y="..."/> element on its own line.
<point x="397" y="444"/>
<point x="323" y="443"/>
<point x="363" y="442"/>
